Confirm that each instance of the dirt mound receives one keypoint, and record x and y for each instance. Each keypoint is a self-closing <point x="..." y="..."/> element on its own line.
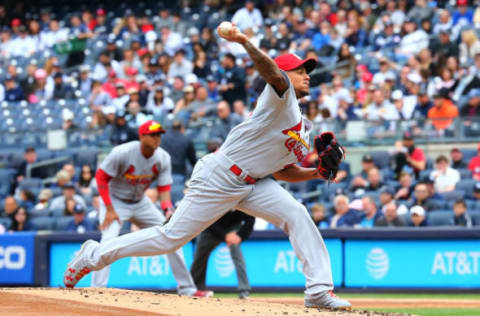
<point x="115" y="302"/>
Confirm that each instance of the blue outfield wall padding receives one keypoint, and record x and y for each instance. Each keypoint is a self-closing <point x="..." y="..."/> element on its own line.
<point x="17" y="258"/>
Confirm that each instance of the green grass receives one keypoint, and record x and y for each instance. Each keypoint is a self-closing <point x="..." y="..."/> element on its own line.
<point x="431" y="311"/>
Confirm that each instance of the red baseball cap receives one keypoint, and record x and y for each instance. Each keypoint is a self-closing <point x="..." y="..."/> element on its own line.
<point x="288" y="62"/>
<point x="367" y="77"/>
<point x="150" y="127"/>
<point x="462" y="2"/>
<point x="101" y="12"/>
<point x="16" y="22"/>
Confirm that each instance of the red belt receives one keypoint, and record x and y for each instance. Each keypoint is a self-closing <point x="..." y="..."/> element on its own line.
<point x="238" y="171"/>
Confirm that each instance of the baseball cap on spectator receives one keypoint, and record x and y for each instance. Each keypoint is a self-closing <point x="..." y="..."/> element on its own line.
<point x="16" y="22"/>
<point x="78" y="209"/>
<point x="62" y="175"/>
<point x="180" y="51"/>
<point x="361" y="67"/>
<point x="417" y="210"/>
<point x="188" y="89"/>
<point x="462" y="2"/>
<point x="132" y="90"/>
<point x="109" y="109"/>
<point x="389" y="75"/>
<point x="268" y="22"/>
<point x="57" y="75"/>
<point x="120" y="114"/>
<point x="367" y="77"/>
<point x="414" y="77"/>
<point x="443" y="93"/>
<point x="120" y="85"/>
<point x="67" y="115"/>
<point x="288" y="62"/>
<point x="387" y="190"/>
<point x="476" y="187"/>
<point x="100" y="12"/>
<point x="141" y="78"/>
<point x="45" y="194"/>
<point x="159" y="77"/>
<point x="407" y="136"/>
<point x="159" y="88"/>
<point x="455" y="150"/>
<point x="193" y="31"/>
<point x="40" y="74"/>
<point x="112" y="74"/>
<point x="111" y="40"/>
<point x="397" y="95"/>
<point x="367" y="158"/>
<point x="142" y="51"/>
<point x="131" y="71"/>
<point x="150" y="127"/>
<point x="153" y="61"/>
<point x="84" y="68"/>
<point x="210" y="78"/>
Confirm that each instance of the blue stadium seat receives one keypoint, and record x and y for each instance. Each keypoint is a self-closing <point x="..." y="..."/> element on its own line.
<point x="6" y="222"/>
<point x="57" y="212"/>
<point x="465" y="173"/>
<point x="475" y="215"/>
<point x="62" y="222"/>
<point x="42" y="223"/>
<point x="381" y="159"/>
<point x="466" y="185"/>
<point x="439" y="204"/>
<point x="453" y="195"/>
<point x="468" y="154"/>
<point x="440" y="218"/>
<point x="31" y="183"/>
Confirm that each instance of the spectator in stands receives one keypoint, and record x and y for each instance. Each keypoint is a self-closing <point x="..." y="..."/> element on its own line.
<point x="445" y="177"/>
<point x="413" y="41"/>
<point x="380" y="109"/>
<point x="68" y="124"/>
<point x="457" y="159"/>
<point x="60" y="89"/>
<point x="180" y="148"/>
<point x="20" y="221"/>
<point x="360" y="180"/>
<point x="159" y="104"/>
<point x="79" y="224"/>
<point x="370" y="212"/>
<point x="318" y="215"/>
<point x="404" y="192"/>
<point x="68" y="193"/>
<point x="13" y="92"/>
<point x="476" y="191"/>
<point x="44" y="199"/>
<point x="443" y="47"/>
<point x="10" y="205"/>
<point x="390" y="218"/>
<point x="374" y="180"/>
<point x="225" y="121"/>
<point x="70" y="168"/>
<point x="344" y="216"/>
<point x="26" y="199"/>
<point x="474" y="165"/>
<point x="61" y="178"/>
<point x="462" y="15"/>
<point x="443" y="111"/>
<point x="417" y="217"/>
<point x="85" y="180"/>
<point x="406" y="154"/>
<point x="29" y="157"/>
<point x="121" y="132"/>
<point x="386" y="197"/>
<point x="232" y="86"/>
<point x="180" y="67"/>
<point x="202" y="106"/>
<point x="469" y="47"/>
<point x="460" y="216"/>
<point x="470" y="113"/>
<point x="172" y="41"/>
<point x="248" y="16"/>
<point x="422" y="197"/>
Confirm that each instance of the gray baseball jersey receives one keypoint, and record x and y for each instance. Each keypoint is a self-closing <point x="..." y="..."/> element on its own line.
<point x="276" y="135"/>
<point x="132" y="173"/>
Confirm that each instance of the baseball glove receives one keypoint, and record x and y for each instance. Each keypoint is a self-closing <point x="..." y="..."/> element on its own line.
<point x="330" y="154"/>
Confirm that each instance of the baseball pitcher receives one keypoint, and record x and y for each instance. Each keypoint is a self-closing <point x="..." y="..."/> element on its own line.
<point x="271" y="142"/>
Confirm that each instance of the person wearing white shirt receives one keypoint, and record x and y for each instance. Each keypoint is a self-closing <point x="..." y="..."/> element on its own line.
<point x="380" y="109"/>
<point x="248" y="17"/>
<point x="172" y="41"/>
<point x="414" y="41"/>
<point x="445" y="178"/>
<point x="54" y="35"/>
<point x="180" y="65"/>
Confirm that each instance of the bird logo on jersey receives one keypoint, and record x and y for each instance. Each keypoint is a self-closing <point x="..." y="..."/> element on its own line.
<point x="295" y="142"/>
<point x="135" y="179"/>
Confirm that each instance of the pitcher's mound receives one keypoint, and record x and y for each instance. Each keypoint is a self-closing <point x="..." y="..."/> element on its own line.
<point x="115" y="302"/>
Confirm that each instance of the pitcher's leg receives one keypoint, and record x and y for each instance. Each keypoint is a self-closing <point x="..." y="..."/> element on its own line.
<point x="204" y="246"/>
<point x="240" y="268"/>
<point x="271" y="202"/>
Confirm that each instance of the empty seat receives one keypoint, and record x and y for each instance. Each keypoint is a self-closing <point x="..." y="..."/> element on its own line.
<point x="6" y="222"/>
<point x="468" y="154"/>
<point x="465" y="174"/>
<point x="31" y="183"/>
<point x="381" y="159"/>
<point x="62" y="222"/>
<point x="466" y="185"/>
<point x="42" y="222"/>
<point x="475" y="215"/>
<point x="440" y="218"/>
<point x="453" y="195"/>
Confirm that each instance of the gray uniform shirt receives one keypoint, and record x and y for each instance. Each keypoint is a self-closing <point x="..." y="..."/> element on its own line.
<point x="132" y="173"/>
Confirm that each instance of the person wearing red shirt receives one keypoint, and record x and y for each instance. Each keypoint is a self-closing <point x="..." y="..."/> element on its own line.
<point x="474" y="165"/>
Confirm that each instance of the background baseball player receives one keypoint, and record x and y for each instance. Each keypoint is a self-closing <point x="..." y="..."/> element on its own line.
<point x="271" y="142"/>
<point x="122" y="178"/>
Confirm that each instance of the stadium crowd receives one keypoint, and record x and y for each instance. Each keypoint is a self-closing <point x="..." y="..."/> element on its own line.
<point x="107" y="68"/>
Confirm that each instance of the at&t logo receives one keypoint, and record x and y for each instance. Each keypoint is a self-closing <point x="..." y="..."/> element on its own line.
<point x="223" y="262"/>
<point x="377" y="263"/>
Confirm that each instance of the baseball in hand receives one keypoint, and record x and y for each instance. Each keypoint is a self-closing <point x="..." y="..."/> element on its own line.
<point x="225" y="28"/>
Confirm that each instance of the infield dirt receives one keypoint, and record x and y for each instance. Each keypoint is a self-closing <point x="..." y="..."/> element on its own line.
<point x="116" y="302"/>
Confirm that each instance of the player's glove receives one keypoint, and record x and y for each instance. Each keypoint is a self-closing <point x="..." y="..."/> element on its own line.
<point x="330" y="154"/>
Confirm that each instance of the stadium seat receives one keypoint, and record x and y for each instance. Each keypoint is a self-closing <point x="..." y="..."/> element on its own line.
<point x="31" y="183"/>
<point x="465" y="173"/>
<point x="468" y="154"/>
<point x="466" y="185"/>
<point x="62" y="222"/>
<point x="453" y="195"/>
<point x="6" y="222"/>
<point x="381" y="159"/>
<point x="42" y="222"/>
<point x="58" y="212"/>
<point x="440" y="218"/>
<point x="439" y="204"/>
<point x="425" y="174"/>
<point x="475" y="215"/>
